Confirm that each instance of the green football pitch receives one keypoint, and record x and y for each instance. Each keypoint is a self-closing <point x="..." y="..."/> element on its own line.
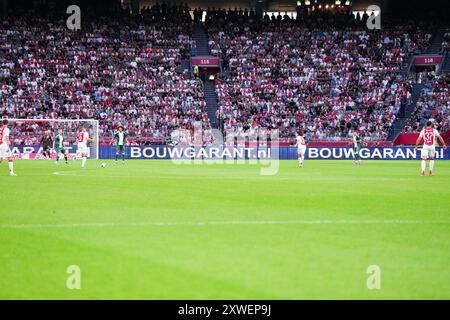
<point x="157" y="230"/>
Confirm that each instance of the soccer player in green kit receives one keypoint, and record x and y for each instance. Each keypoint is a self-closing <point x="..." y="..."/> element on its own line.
<point x="59" y="147"/>
<point x="357" y="146"/>
<point x="120" y="140"/>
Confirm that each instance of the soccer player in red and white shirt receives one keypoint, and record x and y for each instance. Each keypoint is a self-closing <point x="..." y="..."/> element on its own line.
<point x="429" y="135"/>
<point x="5" y="152"/>
<point x="301" y="147"/>
<point x="83" y="140"/>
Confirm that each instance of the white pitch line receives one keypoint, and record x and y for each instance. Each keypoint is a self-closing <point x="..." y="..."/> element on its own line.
<point x="212" y="223"/>
<point x="222" y="177"/>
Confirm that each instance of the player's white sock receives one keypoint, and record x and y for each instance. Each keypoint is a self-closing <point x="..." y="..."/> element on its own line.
<point x="83" y="162"/>
<point x="424" y="165"/>
<point x="431" y="165"/>
<point x="11" y="166"/>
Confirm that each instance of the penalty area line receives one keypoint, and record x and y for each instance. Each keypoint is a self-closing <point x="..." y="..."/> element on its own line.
<point x="214" y="223"/>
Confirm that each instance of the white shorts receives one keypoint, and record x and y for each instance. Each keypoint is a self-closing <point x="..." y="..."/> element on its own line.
<point x="5" y="152"/>
<point x="301" y="150"/>
<point x="82" y="148"/>
<point x="428" y="151"/>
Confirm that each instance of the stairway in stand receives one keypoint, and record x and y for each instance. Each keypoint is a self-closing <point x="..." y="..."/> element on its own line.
<point x="403" y="117"/>
<point x="445" y="67"/>
<point x="201" y="39"/>
<point x="436" y="42"/>
<point x="209" y="90"/>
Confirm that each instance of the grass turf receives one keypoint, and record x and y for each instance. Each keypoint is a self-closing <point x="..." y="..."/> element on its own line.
<point x="106" y="222"/>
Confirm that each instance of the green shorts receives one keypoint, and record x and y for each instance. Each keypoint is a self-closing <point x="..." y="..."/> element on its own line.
<point x="120" y="148"/>
<point x="357" y="148"/>
<point x="60" y="150"/>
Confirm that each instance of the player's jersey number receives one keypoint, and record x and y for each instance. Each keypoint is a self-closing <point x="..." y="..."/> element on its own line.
<point x="429" y="138"/>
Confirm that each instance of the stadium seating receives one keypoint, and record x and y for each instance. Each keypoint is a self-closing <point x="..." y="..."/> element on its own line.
<point x="434" y="103"/>
<point x="130" y="76"/>
<point x="278" y="74"/>
<point x="282" y="75"/>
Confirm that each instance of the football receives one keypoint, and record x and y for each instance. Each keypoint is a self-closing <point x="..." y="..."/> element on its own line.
<point x="103" y="165"/>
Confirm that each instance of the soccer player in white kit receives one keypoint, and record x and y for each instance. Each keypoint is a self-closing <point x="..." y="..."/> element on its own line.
<point x="429" y="135"/>
<point x="5" y="151"/>
<point x="301" y="147"/>
<point x="83" y="140"/>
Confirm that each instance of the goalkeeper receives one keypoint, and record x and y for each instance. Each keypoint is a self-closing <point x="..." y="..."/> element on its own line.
<point x="47" y="143"/>
<point x="120" y="141"/>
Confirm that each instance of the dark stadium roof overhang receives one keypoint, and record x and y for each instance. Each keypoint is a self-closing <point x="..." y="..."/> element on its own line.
<point x="399" y="8"/>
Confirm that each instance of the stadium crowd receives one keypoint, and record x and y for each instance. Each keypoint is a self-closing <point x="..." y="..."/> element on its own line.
<point x="282" y="75"/>
<point x="434" y="103"/>
<point x="117" y="72"/>
<point x="278" y="74"/>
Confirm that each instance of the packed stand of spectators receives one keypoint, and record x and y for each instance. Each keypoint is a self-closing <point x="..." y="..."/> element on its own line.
<point x="288" y="74"/>
<point x="325" y="73"/>
<point x="434" y="104"/>
<point x="123" y="71"/>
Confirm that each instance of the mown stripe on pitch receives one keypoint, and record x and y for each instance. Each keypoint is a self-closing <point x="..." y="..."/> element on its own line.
<point x="212" y="223"/>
